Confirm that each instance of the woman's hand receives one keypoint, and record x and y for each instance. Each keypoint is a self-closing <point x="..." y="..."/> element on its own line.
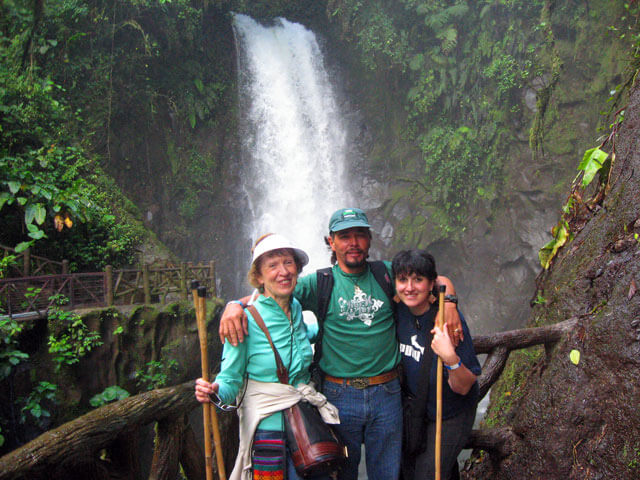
<point x="203" y="389"/>
<point x="461" y="379"/>
<point x="443" y="346"/>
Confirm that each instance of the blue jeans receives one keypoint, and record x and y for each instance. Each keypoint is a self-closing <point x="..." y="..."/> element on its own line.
<point x="372" y="416"/>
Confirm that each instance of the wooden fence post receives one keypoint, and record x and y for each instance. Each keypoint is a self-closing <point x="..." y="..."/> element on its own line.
<point x="212" y="276"/>
<point x="65" y="267"/>
<point x="145" y="283"/>
<point x="183" y="281"/>
<point x="109" y="285"/>
<point x="26" y="262"/>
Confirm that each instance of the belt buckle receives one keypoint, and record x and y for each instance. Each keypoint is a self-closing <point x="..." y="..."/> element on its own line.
<point x="359" y="382"/>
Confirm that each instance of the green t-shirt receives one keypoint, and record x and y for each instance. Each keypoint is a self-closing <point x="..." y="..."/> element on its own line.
<point x="359" y="329"/>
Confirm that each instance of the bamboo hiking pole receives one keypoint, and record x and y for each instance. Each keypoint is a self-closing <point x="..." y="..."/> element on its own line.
<point x="440" y="325"/>
<point x="204" y="359"/>
<point x="202" y="294"/>
<point x="210" y="417"/>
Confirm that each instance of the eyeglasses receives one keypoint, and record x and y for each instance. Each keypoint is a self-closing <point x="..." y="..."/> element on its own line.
<point x="217" y="401"/>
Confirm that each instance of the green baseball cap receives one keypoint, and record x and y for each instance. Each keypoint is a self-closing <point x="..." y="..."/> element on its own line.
<point x="348" y="218"/>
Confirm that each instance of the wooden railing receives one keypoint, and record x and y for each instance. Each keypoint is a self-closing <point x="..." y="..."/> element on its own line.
<point x="30" y="297"/>
<point x="35" y="295"/>
<point x="26" y="265"/>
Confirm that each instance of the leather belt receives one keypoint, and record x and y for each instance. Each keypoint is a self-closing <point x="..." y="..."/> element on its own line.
<point x="364" y="382"/>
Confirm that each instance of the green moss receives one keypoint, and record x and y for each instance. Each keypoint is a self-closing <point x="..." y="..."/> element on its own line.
<point x="561" y="139"/>
<point x="510" y="388"/>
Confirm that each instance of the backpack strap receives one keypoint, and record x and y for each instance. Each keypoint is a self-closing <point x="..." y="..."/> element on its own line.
<point x="381" y="274"/>
<point x="323" y="292"/>
<point x="324" y="277"/>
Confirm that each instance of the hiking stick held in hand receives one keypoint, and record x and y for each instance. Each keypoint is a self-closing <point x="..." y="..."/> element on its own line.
<point x="210" y="417"/>
<point x="440" y="325"/>
<point x="204" y="359"/>
<point x="202" y="294"/>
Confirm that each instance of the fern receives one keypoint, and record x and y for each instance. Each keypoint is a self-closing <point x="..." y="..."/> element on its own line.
<point x="448" y="38"/>
<point x="457" y="11"/>
<point x="437" y="21"/>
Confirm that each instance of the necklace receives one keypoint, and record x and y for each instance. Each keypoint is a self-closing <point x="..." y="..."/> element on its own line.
<point x="357" y="291"/>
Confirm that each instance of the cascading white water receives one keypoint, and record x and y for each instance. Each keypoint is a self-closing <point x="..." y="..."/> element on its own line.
<point x="293" y="135"/>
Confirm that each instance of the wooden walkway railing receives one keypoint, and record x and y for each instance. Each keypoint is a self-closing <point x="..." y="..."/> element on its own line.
<point x="30" y="297"/>
<point x="26" y="265"/>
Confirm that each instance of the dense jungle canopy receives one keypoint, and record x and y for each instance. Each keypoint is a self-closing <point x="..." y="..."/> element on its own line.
<point x="119" y="143"/>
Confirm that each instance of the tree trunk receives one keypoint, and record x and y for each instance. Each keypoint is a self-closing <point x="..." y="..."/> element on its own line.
<point x="79" y="442"/>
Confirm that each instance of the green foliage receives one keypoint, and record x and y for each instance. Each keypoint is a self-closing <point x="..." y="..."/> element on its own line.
<point x="87" y="73"/>
<point x="44" y="192"/>
<point x="35" y="403"/>
<point x="157" y="374"/>
<point x="382" y="43"/>
<point x="456" y="166"/>
<point x="10" y="353"/>
<point x="561" y="235"/>
<point x="70" y="339"/>
<point x="507" y="73"/>
<point x="108" y="395"/>
<point x="6" y="262"/>
<point x="593" y="161"/>
<point x="461" y="63"/>
<point x="39" y="176"/>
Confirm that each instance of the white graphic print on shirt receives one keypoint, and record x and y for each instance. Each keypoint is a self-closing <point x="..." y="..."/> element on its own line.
<point x="361" y="307"/>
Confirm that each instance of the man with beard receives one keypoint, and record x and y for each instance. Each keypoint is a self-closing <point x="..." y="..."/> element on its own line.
<point x="359" y="349"/>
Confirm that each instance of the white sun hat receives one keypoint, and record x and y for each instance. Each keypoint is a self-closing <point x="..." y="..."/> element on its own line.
<point x="273" y="241"/>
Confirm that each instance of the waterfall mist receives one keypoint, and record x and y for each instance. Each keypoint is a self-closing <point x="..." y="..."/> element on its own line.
<point x="293" y="135"/>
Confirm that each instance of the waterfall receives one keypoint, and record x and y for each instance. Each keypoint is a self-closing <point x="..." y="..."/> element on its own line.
<point x="293" y="135"/>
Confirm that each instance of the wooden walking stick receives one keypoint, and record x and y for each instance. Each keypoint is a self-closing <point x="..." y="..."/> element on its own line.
<point x="210" y="417"/>
<point x="204" y="359"/>
<point x="440" y="325"/>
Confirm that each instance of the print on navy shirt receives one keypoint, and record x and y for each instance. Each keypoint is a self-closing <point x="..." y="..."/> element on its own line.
<point x="415" y="350"/>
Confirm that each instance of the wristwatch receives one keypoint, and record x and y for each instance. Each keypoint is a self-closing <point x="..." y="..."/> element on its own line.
<point x="451" y="298"/>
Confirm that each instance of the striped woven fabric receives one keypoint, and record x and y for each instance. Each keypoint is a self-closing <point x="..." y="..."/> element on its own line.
<point x="268" y="460"/>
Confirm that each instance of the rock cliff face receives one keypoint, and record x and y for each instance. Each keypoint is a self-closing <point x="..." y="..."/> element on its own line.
<point x="581" y="420"/>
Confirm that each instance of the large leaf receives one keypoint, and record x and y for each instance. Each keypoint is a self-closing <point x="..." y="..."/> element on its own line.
<point x="22" y="246"/>
<point x="14" y="186"/>
<point x="4" y="197"/>
<point x="592" y="161"/>
<point x="199" y="85"/>
<point x="546" y="253"/>
<point x="41" y="214"/>
<point x="29" y="214"/>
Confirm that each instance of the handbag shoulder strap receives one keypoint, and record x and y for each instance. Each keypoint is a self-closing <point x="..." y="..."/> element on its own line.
<point x="281" y="370"/>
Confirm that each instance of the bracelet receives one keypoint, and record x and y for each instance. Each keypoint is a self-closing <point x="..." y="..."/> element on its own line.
<point x="237" y="302"/>
<point x="451" y="298"/>
<point x="452" y="367"/>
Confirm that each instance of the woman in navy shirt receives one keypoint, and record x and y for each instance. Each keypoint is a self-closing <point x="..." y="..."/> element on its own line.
<point x="421" y="341"/>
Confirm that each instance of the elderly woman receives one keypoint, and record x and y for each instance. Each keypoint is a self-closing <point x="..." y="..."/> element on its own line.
<point x="421" y="343"/>
<point x="274" y="271"/>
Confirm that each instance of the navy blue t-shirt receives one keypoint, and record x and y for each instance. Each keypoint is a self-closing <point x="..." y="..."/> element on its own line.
<point x="413" y="332"/>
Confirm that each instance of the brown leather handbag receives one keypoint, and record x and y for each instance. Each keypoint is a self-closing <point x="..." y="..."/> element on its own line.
<point x="313" y="445"/>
